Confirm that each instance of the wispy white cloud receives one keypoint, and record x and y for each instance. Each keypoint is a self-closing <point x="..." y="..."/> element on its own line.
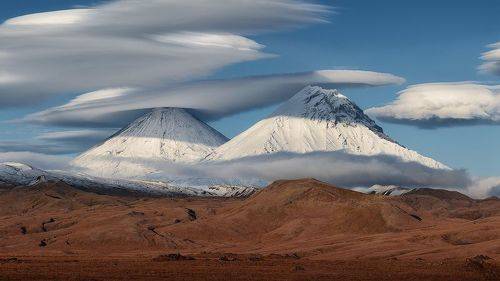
<point x="58" y="142"/>
<point x="491" y="60"/>
<point x="206" y="99"/>
<point x="63" y="17"/>
<point x="39" y="160"/>
<point x="443" y="104"/>
<point x="36" y="147"/>
<point x="131" y="43"/>
<point x="76" y="137"/>
<point x="484" y="187"/>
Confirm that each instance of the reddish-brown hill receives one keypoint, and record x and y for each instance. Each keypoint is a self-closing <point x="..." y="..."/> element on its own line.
<point x="301" y="210"/>
<point x="292" y="230"/>
<point x="306" y="216"/>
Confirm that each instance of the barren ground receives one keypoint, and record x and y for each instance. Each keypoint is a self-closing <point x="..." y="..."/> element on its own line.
<point x="292" y="230"/>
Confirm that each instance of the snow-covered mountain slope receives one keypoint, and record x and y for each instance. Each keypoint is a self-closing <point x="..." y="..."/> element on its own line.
<point x="17" y="174"/>
<point x="317" y="119"/>
<point x="13" y="174"/>
<point x="388" y="190"/>
<point x="165" y="134"/>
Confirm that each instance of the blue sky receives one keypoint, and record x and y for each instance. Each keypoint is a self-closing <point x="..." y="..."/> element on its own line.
<point x="422" y="41"/>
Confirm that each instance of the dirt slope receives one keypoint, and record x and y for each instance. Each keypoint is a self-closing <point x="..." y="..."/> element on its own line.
<point x="304" y="219"/>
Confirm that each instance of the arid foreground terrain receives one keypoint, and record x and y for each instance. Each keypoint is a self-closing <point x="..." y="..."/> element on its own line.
<point x="292" y="230"/>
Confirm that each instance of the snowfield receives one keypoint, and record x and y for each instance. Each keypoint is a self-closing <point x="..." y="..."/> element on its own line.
<point x="17" y="174"/>
<point x="166" y="134"/>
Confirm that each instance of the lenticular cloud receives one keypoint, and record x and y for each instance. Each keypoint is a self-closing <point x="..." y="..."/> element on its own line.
<point x="443" y="104"/>
<point x="130" y="43"/>
<point x="208" y="100"/>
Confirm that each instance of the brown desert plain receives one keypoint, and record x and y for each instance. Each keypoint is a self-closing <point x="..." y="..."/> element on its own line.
<point x="291" y="230"/>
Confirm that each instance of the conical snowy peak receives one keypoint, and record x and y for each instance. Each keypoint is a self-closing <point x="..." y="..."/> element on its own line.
<point x="330" y="105"/>
<point x="317" y="119"/>
<point x="323" y="104"/>
<point x="165" y="134"/>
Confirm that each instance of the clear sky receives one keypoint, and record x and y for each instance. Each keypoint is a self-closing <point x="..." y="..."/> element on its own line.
<point x="422" y="41"/>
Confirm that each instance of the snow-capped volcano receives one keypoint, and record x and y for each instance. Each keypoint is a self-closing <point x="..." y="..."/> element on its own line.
<point x="316" y="119"/>
<point x="164" y="134"/>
